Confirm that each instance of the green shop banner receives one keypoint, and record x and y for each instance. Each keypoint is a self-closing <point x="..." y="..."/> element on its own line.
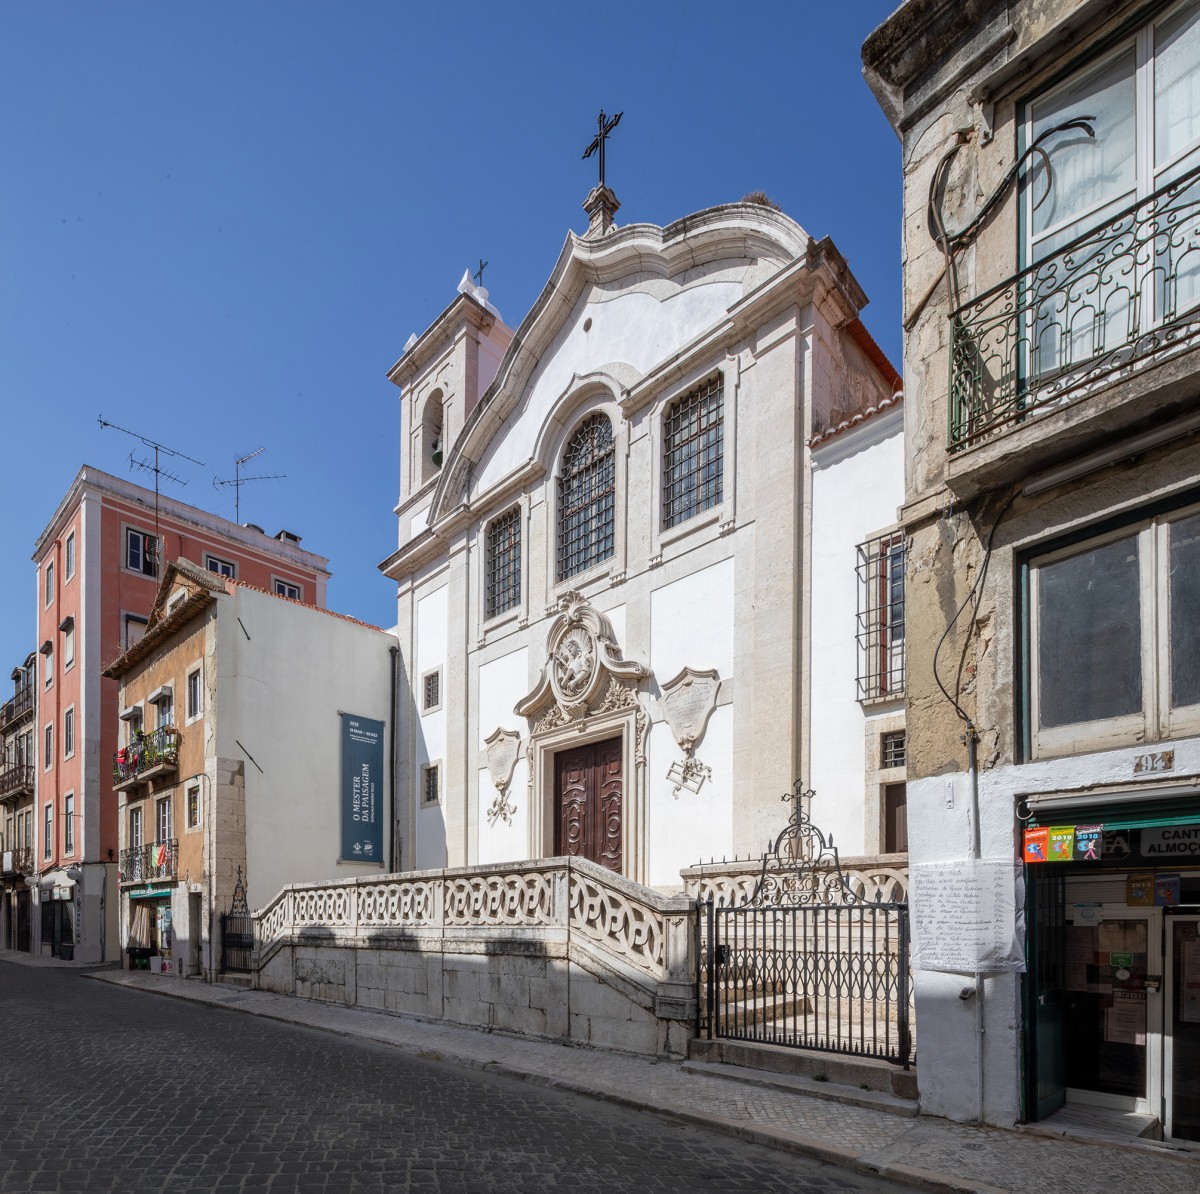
<point x="362" y="788"/>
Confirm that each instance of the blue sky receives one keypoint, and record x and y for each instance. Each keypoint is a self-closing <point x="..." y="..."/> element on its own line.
<point x="219" y="223"/>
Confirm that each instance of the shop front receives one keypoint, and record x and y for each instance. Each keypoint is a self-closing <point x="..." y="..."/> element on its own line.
<point x="150" y="939"/>
<point x="1112" y="989"/>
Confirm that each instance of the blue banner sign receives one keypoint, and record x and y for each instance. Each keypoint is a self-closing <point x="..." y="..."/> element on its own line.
<point x="362" y="789"/>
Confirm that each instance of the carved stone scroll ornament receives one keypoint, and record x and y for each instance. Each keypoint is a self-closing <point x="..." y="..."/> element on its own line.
<point x="503" y="749"/>
<point x="687" y="703"/>
<point x="581" y="662"/>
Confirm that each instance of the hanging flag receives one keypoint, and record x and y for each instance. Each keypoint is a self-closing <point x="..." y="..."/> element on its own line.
<point x="160" y="855"/>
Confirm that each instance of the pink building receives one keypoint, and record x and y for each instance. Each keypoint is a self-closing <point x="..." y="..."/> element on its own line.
<point x="98" y="562"/>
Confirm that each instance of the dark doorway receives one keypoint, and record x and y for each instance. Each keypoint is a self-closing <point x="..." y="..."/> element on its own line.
<point x="589" y="794"/>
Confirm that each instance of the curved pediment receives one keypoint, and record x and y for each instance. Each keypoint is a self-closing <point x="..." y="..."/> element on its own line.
<point x="614" y="308"/>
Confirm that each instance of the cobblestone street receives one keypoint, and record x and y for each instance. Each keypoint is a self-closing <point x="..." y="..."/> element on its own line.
<point x="109" y="1089"/>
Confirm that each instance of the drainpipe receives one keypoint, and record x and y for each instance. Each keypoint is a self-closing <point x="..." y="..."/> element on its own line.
<point x="395" y="653"/>
<point x="971" y="738"/>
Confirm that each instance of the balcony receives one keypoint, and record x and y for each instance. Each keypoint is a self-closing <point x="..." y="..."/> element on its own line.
<point x="17" y="707"/>
<point x="1115" y="300"/>
<point x="150" y="863"/>
<point x="147" y="756"/>
<point x="18" y="861"/>
<point x="16" y="780"/>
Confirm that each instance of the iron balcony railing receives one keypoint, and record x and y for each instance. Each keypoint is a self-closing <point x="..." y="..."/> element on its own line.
<point x="17" y="861"/>
<point x="15" y="778"/>
<point x="144" y="864"/>
<point x="17" y="705"/>
<point x="1125" y="291"/>
<point x="145" y="752"/>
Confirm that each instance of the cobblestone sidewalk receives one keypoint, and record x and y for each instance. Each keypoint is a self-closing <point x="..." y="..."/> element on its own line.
<point x="925" y="1152"/>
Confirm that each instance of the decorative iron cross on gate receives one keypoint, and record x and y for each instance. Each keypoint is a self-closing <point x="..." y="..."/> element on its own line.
<point x="603" y="131"/>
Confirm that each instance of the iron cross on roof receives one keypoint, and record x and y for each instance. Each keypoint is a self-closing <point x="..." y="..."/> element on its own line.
<point x="603" y="131"/>
<point x="479" y="272"/>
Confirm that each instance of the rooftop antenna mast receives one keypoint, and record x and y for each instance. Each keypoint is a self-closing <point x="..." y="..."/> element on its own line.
<point x="155" y="468"/>
<point x="238" y="480"/>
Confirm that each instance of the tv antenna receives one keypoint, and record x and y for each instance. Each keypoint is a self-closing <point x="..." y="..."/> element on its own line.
<point x="238" y="480"/>
<point x="155" y="468"/>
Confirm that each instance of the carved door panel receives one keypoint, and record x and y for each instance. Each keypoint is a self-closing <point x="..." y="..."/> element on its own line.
<point x="590" y="793"/>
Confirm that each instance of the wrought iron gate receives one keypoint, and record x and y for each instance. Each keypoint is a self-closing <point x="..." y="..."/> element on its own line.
<point x="237" y="932"/>
<point x="804" y="962"/>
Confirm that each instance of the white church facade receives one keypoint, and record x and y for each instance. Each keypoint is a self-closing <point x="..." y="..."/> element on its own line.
<point x="646" y="557"/>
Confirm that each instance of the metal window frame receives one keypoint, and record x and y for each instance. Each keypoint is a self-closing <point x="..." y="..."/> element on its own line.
<point x="431" y="771"/>
<point x="880" y="619"/>
<point x="502" y="566"/>
<point x="432" y="677"/>
<point x="587" y="489"/>
<point x="889" y="755"/>
<point x="693" y="455"/>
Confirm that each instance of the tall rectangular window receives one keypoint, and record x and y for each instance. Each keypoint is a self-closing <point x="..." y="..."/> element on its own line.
<point x="504" y="562"/>
<point x="162" y="816"/>
<point x="69" y="567"/>
<point x="881" y="650"/>
<point x="68" y="643"/>
<point x="48" y="753"/>
<point x="69" y="823"/>
<point x="141" y="552"/>
<point x="48" y="575"/>
<point x="430" y="786"/>
<point x="135" y="828"/>
<point x="69" y="733"/>
<point x="48" y="831"/>
<point x="693" y="453"/>
<point x="193" y="694"/>
<point x="193" y="806"/>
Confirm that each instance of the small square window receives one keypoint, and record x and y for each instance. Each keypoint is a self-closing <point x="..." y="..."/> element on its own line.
<point x="893" y="749"/>
<point x="284" y="588"/>
<point x="431" y="783"/>
<point x="135" y="628"/>
<point x="431" y="691"/>
<point x="220" y="567"/>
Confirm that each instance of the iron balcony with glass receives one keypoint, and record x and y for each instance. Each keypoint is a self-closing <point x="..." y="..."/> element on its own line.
<point x="18" y="861"/>
<point x="146" y="757"/>
<point x="16" y="707"/>
<point x="1123" y="294"/>
<point x="149" y="863"/>
<point x="16" y="780"/>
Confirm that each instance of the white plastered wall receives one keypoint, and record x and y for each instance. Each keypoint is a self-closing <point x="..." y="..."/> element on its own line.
<point x="691" y="625"/>
<point x="432" y="614"/>
<point x="502" y="682"/>
<point x="857" y="488"/>
<point x="285" y="673"/>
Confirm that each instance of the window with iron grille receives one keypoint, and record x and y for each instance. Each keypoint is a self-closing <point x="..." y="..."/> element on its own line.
<point x="503" y="563"/>
<point x="432" y="690"/>
<point x="693" y="452"/>
<point x="881" y="616"/>
<point x="893" y="749"/>
<point x="430" y="776"/>
<point x="586" y="492"/>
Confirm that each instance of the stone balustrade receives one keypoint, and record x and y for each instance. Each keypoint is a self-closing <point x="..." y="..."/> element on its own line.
<point x="559" y="947"/>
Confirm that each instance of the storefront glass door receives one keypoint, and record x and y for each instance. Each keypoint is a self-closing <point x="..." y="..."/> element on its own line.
<point x="1112" y="975"/>
<point x="1183" y="1029"/>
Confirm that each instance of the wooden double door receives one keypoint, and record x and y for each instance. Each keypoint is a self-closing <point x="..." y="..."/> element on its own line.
<point x="589" y="799"/>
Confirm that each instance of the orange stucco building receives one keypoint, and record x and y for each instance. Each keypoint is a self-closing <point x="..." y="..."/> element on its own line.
<point x="98" y="564"/>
